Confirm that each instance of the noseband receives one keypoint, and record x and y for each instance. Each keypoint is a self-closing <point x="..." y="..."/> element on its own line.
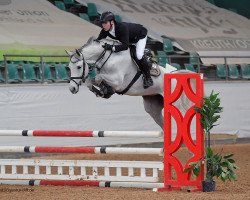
<point x="82" y="77"/>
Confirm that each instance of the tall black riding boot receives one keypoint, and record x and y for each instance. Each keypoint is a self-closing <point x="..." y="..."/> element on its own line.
<point x="145" y="67"/>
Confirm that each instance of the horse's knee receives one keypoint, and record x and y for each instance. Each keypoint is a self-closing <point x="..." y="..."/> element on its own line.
<point x="98" y="79"/>
<point x="107" y="90"/>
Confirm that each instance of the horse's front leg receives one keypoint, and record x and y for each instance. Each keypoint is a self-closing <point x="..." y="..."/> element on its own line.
<point x="100" y="88"/>
<point x="93" y="86"/>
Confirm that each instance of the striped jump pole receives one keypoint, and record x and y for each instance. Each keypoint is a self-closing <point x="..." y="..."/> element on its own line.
<point x="110" y="184"/>
<point x="79" y="149"/>
<point x="68" y="133"/>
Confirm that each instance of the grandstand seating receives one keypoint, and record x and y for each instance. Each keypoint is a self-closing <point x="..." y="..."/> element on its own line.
<point x="2" y="80"/>
<point x="84" y="16"/>
<point x="1" y="64"/>
<point x="167" y="46"/>
<point x="71" y="2"/>
<point x="78" y="8"/>
<point x="61" y="73"/>
<point x="221" y="71"/>
<point x="194" y="58"/>
<point x="18" y="72"/>
<point x="13" y="75"/>
<point x="92" y="11"/>
<point x="29" y="73"/>
<point x="118" y="18"/>
<point x="241" y="7"/>
<point x="60" y="5"/>
<point x="47" y="73"/>
<point x="245" y="71"/>
<point x="211" y="1"/>
<point x="162" y="58"/>
<point x="190" y="67"/>
<point x="233" y="10"/>
<point x="176" y="65"/>
<point x="1" y="70"/>
<point x="233" y="71"/>
<point x="68" y="3"/>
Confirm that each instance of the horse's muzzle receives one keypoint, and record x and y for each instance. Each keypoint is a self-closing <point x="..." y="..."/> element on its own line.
<point x="73" y="89"/>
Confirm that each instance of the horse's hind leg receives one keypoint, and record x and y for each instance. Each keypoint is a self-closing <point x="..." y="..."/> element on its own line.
<point x="153" y="106"/>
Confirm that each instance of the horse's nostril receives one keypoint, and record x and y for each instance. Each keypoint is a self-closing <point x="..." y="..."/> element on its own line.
<point x="72" y="90"/>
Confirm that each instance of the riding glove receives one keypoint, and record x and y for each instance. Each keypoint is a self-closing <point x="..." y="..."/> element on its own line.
<point x="108" y="47"/>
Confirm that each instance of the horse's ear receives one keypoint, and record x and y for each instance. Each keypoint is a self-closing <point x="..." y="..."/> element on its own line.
<point x="70" y="53"/>
<point x="78" y="52"/>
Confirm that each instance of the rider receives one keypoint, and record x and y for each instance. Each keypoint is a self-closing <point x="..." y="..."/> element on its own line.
<point x="127" y="33"/>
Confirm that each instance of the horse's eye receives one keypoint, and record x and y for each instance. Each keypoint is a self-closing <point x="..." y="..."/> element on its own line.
<point x="78" y="67"/>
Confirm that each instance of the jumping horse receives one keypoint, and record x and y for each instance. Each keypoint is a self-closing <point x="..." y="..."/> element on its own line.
<point x="106" y="73"/>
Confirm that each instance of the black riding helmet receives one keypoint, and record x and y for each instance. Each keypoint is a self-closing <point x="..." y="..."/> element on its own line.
<point x="107" y="16"/>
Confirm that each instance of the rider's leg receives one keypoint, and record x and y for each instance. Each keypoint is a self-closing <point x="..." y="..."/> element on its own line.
<point x="144" y="65"/>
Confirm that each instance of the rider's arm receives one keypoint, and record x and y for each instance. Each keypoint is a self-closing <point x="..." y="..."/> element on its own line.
<point x="123" y="36"/>
<point x="102" y="34"/>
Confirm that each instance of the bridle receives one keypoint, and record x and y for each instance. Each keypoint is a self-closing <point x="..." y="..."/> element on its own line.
<point x="91" y="66"/>
<point x="82" y="77"/>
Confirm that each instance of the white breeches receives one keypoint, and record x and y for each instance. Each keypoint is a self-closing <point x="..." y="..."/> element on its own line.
<point x="140" y="46"/>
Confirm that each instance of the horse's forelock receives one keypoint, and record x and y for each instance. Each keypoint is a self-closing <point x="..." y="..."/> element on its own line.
<point x="75" y="56"/>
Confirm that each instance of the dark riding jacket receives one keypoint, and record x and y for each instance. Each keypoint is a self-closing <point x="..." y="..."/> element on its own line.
<point x="126" y="33"/>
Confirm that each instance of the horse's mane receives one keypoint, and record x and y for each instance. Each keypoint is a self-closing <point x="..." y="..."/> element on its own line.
<point x="92" y="46"/>
<point x="105" y="40"/>
<point x="110" y="41"/>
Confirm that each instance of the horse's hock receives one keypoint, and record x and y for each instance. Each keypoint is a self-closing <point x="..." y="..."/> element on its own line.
<point x="112" y="173"/>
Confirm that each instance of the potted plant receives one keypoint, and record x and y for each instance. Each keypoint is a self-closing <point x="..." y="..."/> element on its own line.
<point x="217" y="165"/>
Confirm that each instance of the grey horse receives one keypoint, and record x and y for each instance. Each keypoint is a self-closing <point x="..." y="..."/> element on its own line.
<point x="106" y="73"/>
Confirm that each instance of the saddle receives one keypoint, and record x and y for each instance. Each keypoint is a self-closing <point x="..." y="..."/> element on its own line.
<point x="155" y="70"/>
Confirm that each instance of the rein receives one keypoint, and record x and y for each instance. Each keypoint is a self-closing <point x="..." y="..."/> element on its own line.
<point x="100" y="59"/>
<point x="83" y="78"/>
<point x="72" y="78"/>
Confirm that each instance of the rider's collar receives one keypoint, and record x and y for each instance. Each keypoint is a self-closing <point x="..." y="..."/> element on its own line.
<point x="112" y="31"/>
